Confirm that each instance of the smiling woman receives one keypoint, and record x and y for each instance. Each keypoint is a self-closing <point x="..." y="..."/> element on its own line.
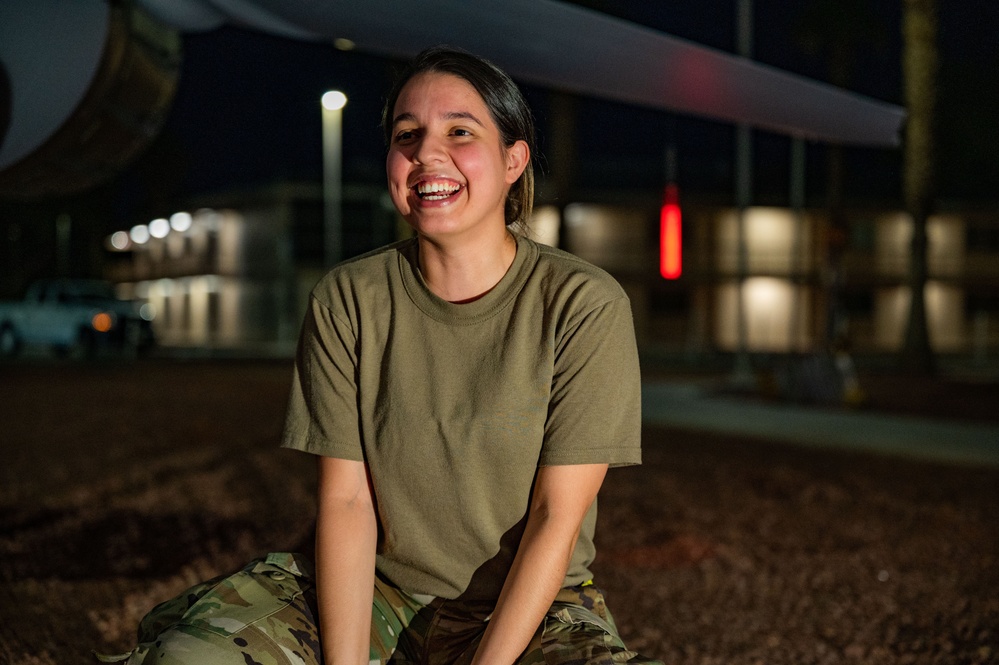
<point x="453" y="388"/>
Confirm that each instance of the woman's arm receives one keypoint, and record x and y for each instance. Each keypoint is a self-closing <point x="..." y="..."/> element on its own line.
<point x="346" y="535"/>
<point x="562" y="495"/>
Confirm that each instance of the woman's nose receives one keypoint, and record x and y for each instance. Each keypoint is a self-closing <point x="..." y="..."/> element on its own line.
<point x="429" y="150"/>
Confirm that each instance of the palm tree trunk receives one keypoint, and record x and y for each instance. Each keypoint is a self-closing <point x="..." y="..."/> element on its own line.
<point x="919" y="69"/>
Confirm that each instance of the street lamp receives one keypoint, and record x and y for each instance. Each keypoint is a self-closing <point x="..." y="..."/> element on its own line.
<point x="333" y="102"/>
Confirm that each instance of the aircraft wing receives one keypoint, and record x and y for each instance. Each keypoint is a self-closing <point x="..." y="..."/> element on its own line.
<point x="563" y="46"/>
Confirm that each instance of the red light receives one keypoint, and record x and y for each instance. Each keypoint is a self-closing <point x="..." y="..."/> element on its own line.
<point x="670" y="247"/>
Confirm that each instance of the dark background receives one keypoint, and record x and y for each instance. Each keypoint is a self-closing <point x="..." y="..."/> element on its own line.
<point x="246" y="114"/>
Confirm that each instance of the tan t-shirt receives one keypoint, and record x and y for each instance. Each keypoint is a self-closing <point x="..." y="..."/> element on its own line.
<point x="454" y="407"/>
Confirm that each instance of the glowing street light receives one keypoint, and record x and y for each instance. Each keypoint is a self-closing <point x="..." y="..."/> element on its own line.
<point x="333" y="102"/>
<point x="120" y="241"/>
<point x="139" y="234"/>
<point x="181" y="221"/>
<point x="159" y="228"/>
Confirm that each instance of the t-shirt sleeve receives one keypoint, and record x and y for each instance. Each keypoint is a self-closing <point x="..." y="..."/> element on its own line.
<point x="322" y="409"/>
<point x="594" y="413"/>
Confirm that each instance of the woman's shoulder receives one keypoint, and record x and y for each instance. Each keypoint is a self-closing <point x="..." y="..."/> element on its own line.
<point x="567" y="273"/>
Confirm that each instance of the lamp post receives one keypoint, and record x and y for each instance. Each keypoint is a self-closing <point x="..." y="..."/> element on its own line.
<point x="333" y="102"/>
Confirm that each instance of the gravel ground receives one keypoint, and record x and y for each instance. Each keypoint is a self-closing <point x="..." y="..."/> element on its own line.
<point x="122" y="484"/>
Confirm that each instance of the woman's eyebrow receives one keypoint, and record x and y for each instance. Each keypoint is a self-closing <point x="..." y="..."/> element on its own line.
<point x="403" y="117"/>
<point x="462" y="115"/>
<point x="450" y="115"/>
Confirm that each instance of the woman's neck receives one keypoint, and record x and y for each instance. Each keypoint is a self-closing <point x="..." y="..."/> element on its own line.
<point x="463" y="272"/>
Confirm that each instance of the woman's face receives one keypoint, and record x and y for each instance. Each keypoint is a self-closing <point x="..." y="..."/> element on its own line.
<point x="448" y="170"/>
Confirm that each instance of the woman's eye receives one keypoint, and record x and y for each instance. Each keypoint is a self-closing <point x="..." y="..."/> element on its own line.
<point x="461" y="132"/>
<point x="404" y="135"/>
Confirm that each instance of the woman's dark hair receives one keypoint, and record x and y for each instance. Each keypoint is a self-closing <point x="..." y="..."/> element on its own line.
<point x="506" y="104"/>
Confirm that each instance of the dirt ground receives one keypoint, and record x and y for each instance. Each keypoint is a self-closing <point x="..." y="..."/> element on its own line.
<point x="124" y="483"/>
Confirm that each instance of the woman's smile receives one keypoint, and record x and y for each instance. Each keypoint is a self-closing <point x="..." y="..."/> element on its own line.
<point x="435" y="190"/>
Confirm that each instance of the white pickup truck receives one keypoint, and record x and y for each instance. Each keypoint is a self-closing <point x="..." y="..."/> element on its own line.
<point x="74" y="316"/>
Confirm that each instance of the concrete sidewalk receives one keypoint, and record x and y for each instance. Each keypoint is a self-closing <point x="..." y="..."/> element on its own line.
<point x="690" y="406"/>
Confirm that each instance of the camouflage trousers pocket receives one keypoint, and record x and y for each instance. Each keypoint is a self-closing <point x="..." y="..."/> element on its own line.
<point x="264" y="613"/>
<point x="574" y="635"/>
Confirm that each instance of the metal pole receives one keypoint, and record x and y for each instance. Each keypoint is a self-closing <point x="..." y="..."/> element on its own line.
<point x="742" y="372"/>
<point x="797" y="201"/>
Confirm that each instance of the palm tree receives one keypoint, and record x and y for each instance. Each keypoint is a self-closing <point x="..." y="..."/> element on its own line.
<point x="919" y="71"/>
<point x="837" y="29"/>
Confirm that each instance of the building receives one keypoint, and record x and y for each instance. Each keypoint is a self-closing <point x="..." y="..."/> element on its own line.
<point x="235" y="272"/>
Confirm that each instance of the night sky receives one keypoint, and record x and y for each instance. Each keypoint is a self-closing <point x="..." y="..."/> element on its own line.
<point x="246" y="112"/>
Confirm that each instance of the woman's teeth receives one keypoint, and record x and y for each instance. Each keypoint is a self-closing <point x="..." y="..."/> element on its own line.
<point x="435" y="191"/>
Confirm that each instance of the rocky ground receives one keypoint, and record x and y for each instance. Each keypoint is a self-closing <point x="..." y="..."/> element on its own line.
<point x="122" y="484"/>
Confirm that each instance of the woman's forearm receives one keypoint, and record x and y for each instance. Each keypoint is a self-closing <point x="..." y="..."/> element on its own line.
<point x="346" y="534"/>
<point x="562" y="496"/>
<point x="534" y="579"/>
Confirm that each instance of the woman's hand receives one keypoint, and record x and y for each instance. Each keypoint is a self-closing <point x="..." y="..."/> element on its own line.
<point x="346" y="536"/>
<point x="562" y="496"/>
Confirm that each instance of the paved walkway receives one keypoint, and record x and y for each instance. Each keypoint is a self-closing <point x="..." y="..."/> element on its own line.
<point x="690" y="406"/>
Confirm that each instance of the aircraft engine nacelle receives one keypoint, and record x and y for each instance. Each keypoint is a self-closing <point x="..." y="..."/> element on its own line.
<point x="84" y="87"/>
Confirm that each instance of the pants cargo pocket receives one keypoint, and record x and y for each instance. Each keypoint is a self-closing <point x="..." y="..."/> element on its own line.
<point x="580" y="630"/>
<point x="575" y="635"/>
<point x="264" y="613"/>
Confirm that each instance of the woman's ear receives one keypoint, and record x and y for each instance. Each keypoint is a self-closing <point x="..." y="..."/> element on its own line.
<point x="517" y="157"/>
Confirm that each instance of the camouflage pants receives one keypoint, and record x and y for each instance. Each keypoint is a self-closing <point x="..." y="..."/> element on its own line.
<point x="265" y="614"/>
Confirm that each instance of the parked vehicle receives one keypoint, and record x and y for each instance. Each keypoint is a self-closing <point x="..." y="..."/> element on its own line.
<point x="74" y="316"/>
